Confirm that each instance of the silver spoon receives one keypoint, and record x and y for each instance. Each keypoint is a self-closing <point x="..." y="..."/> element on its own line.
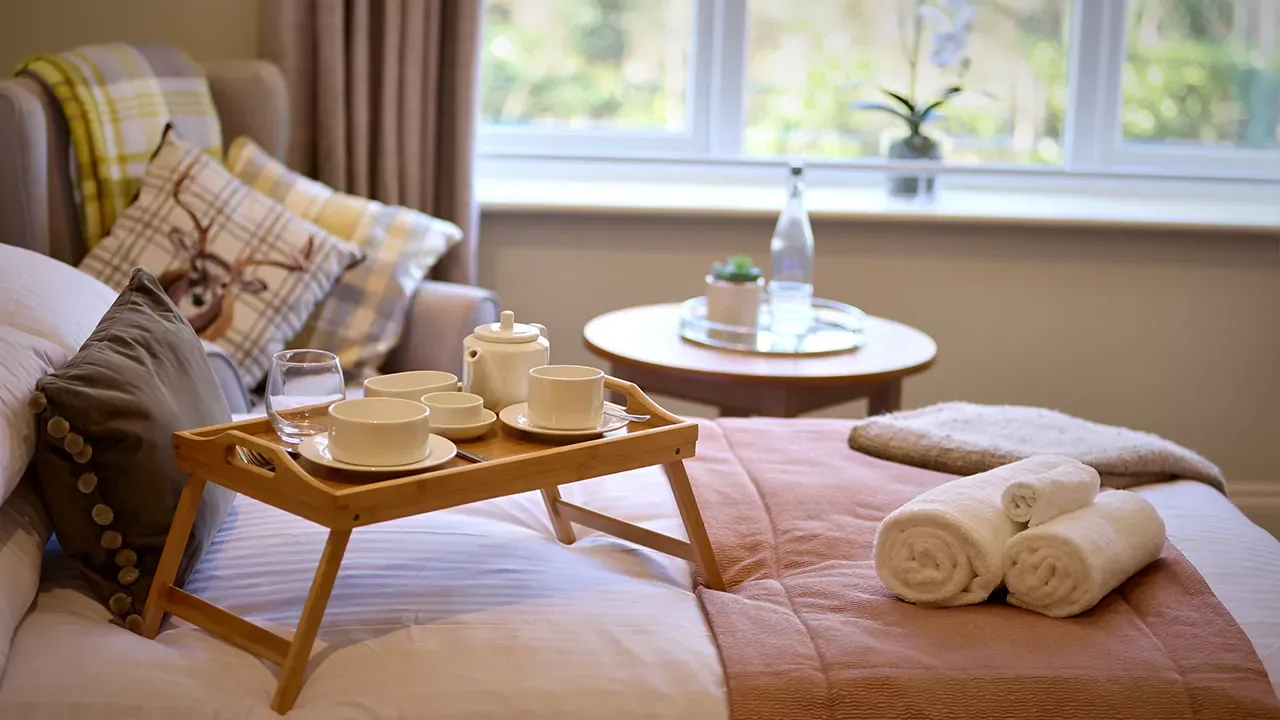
<point x="626" y="416"/>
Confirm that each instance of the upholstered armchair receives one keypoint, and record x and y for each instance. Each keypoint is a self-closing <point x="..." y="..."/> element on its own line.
<point x="37" y="209"/>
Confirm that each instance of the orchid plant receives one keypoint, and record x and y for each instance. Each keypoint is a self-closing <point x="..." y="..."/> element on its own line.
<point x="951" y="22"/>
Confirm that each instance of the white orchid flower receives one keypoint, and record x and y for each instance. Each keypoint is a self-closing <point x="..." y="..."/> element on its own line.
<point x="937" y="17"/>
<point x="949" y="48"/>
<point x="952" y="26"/>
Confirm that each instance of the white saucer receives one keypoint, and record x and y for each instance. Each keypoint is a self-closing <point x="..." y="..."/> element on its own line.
<point x="467" y="432"/>
<point x="316" y="449"/>
<point x="517" y="416"/>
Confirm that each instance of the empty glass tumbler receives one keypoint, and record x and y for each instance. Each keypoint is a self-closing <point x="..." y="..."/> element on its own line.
<point x="301" y="386"/>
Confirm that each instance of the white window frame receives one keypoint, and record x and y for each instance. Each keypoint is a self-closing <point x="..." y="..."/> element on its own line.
<point x="1093" y="141"/>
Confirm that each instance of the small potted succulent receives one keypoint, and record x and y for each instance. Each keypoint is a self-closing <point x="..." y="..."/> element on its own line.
<point x="734" y="291"/>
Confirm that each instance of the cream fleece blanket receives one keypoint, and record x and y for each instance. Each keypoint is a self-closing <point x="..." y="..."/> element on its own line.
<point x="1067" y="565"/>
<point x="963" y="439"/>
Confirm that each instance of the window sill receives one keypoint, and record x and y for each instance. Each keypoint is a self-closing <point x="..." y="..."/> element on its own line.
<point x="1246" y="213"/>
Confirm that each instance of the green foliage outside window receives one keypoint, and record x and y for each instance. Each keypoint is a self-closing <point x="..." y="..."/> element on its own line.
<point x="1194" y="73"/>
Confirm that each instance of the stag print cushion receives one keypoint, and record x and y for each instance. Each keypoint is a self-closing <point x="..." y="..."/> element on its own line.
<point x="244" y="271"/>
<point x="362" y="318"/>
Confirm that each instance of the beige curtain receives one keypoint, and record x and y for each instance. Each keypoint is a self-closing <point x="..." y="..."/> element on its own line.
<point x="384" y="99"/>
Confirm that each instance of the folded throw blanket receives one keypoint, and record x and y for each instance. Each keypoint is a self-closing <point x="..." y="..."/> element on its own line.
<point x="117" y="99"/>
<point x="1067" y="485"/>
<point x="963" y="439"/>
<point x="1067" y="565"/>
<point x="946" y="546"/>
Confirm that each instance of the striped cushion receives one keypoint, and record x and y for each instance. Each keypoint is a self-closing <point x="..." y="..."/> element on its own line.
<point x="117" y="100"/>
<point x="245" y="271"/>
<point x="362" y="318"/>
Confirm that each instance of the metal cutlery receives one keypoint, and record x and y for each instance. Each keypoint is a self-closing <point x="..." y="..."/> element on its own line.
<point x="625" y="416"/>
<point x="257" y="459"/>
<point x="473" y="457"/>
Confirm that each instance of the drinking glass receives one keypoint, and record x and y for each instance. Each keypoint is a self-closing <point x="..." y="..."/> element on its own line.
<point x="301" y="386"/>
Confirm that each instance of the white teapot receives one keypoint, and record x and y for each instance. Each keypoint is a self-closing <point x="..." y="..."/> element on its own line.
<point x="497" y="359"/>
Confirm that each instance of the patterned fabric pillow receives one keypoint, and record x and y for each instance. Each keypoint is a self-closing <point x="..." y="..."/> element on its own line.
<point x="104" y="458"/>
<point x="245" y="272"/>
<point x="362" y="318"/>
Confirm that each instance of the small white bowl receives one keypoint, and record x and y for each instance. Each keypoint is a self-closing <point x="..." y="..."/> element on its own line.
<point x="379" y="431"/>
<point x="454" y="408"/>
<point x="410" y="385"/>
<point x="467" y="432"/>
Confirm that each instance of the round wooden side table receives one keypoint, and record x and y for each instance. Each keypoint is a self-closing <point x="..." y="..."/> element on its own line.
<point x="643" y="345"/>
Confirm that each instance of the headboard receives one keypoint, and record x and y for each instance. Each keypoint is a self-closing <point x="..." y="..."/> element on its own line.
<point x="37" y="209"/>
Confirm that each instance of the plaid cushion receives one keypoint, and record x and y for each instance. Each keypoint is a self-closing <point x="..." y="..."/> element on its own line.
<point x="117" y="100"/>
<point x="362" y="318"/>
<point x="245" y="271"/>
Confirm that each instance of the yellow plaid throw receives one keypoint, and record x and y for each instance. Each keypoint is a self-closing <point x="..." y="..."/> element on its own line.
<point x="117" y="100"/>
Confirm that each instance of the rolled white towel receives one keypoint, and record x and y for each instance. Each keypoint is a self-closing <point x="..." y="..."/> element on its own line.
<point x="945" y="547"/>
<point x="1064" y="485"/>
<point x="1067" y="565"/>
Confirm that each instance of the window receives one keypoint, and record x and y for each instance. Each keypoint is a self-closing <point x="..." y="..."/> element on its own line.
<point x="808" y="62"/>
<point x="1203" y="73"/>
<point x="1168" y="87"/>
<point x="588" y="64"/>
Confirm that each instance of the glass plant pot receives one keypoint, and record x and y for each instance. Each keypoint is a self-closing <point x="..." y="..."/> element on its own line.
<point x="916" y="186"/>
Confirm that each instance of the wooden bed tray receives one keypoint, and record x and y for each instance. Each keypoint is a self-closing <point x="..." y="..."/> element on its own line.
<point x="344" y="501"/>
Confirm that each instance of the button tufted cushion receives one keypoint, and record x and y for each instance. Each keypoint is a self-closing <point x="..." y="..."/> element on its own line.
<point x="111" y="492"/>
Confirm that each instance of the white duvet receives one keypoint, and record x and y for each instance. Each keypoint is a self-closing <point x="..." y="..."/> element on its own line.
<point x="479" y="612"/>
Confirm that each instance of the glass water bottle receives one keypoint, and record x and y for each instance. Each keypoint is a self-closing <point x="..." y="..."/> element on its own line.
<point x="791" y="284"/>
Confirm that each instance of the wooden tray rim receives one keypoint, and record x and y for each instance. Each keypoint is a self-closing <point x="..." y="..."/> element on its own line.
<point x="207" y="451"/>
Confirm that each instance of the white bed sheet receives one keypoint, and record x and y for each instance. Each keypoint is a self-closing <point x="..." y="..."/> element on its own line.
<point x="478" y="612"/>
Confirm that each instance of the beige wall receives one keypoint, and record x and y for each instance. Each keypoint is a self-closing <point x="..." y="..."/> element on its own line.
<point x="206" y="29"/>
<point x="1176" y="334"/>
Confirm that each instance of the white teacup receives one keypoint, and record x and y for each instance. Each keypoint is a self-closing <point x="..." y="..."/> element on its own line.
<point x="410" y="385"/>
<point x="566" y="397"/>
<point x="454" y="408"/>
<point x="378" y="431"/>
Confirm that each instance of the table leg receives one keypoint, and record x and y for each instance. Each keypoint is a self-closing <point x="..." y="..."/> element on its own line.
<point x="564" y="530"/>
<point x="295" y="663"/>
<point x="703" y="555"/>
<point x="184" y="518"/>
<point x="885" y="399"/>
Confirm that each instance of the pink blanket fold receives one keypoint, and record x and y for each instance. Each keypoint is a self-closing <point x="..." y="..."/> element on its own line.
<point x="807" y="630"/>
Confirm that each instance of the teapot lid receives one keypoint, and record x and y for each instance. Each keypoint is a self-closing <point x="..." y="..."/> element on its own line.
<point x="507" y="330"/>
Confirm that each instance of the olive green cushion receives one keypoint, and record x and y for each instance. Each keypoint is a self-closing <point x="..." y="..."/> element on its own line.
<point x="105" y="457"/>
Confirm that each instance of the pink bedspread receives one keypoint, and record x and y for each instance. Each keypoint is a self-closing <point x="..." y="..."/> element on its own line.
<point x="807" y="630"/>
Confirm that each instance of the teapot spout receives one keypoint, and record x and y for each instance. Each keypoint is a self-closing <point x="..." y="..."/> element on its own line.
<point x="469" y="368"/>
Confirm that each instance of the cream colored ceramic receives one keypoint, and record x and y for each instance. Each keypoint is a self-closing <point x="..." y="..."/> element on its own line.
<point x="497" y="359"/>
<point x="734" y="303"/>
<point x="566" y="397"/>
<point x="410" y="385"/>
<point x="517" y="417"/>
<point x="378" y="431"/>
<point x="316" y="448"/>
<point x="454" y="408"/>
<point x="471" y="431"/>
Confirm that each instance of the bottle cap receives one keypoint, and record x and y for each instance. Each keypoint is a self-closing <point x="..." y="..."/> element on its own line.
<point x="797" y="168"/>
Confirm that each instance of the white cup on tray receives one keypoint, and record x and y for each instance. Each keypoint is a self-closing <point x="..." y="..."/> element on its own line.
<point x="379" y="432"/>
<point x="566" y="397"/>
<point x="411" y="385"/>
<point x="454" y="408"/>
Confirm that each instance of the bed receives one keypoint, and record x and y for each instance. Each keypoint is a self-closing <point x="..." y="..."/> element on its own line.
<point x="479" y="612"/>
